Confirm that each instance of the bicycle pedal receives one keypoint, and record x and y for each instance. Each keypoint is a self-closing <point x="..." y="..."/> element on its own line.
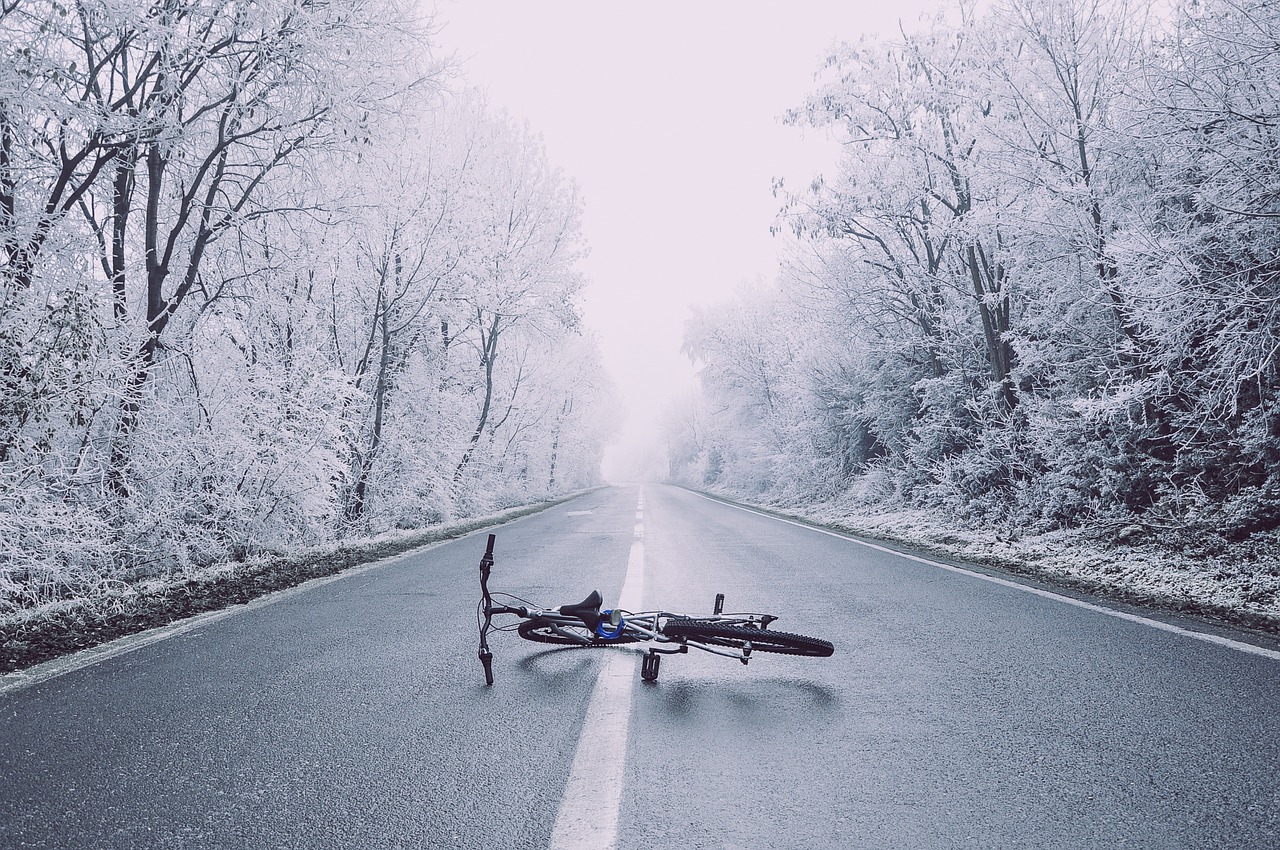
<point x="649" y="667"/>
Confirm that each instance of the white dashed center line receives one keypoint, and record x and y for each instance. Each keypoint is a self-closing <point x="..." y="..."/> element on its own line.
<point x="588" y="816"/>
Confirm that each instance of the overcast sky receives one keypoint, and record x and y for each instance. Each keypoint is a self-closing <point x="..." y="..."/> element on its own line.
<point x="667" y="114"/>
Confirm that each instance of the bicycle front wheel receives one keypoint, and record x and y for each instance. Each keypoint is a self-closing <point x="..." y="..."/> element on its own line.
<point x="736" y="637"/>
<point x="562" y="634"/>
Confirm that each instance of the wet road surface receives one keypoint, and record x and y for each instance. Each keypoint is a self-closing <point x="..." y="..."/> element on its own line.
<point x="956" y="713"/>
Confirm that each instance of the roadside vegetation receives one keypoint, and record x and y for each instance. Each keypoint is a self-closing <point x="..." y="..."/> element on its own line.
<point x="272" y="279"/>
<point x="1034" y="314"/>
<point x="31" y="635"/>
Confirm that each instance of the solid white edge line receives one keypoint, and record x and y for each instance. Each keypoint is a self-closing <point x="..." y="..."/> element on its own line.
<point x="1003" y="582"/>
<point x="592" y="801"/>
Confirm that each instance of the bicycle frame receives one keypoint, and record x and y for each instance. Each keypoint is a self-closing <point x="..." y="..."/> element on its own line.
<point x="623" y="627"/>
<point x="646" y="626"/>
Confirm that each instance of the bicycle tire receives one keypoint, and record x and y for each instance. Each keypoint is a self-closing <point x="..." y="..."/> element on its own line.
<point x="761" y="640"/>
<point x="540" y="631"/>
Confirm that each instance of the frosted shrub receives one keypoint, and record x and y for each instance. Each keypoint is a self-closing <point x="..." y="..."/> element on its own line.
<point x="51" y="549"/>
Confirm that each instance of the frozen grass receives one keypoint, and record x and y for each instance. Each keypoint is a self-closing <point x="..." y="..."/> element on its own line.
<point x="31" y="635"/>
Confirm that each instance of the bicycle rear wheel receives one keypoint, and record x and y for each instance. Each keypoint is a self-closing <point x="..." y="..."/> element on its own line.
<point x="761" y="640"/>
<point x="546" y="631"/>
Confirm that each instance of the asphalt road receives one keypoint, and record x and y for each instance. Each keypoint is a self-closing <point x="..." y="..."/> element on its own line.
<point x="956" y="713"/>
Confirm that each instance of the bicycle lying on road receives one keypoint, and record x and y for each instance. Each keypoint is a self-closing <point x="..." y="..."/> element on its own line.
<point x="586" y="625"/>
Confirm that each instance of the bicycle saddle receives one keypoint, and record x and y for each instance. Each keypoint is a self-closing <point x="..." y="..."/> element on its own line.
<point x="588" y="610"/>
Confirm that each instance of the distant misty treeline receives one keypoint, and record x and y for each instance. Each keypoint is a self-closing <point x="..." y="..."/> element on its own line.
<point x="265" y="282"/>
<point x="1043" y="288"/>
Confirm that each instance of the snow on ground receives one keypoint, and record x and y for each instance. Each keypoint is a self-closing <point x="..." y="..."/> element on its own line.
<point x="1207" y="574"/>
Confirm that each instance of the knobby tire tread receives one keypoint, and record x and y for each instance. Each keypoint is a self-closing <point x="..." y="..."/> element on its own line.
<point x="762" y="640"/>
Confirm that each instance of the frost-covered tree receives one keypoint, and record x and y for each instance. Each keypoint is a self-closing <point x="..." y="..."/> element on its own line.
<point x="520" y="279"/>
<point x="1040" y="286"/>
<point x="267" y="282"/>
<point x="1202" y="247"/>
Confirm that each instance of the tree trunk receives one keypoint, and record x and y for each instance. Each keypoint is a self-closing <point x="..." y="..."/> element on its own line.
<point x="382" y="384"/>
<point x="8" y="192"/>
<point x="121" y="203"/>
<point x="565" y="410"/>
<point x="993" y="308"/>
<point x="490" y="349"/>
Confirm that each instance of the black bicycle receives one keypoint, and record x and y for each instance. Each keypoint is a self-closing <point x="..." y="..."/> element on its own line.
<point x="587" y="625"/>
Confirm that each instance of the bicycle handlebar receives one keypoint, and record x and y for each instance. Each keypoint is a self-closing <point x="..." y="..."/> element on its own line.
<point x="486" y="657"/>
